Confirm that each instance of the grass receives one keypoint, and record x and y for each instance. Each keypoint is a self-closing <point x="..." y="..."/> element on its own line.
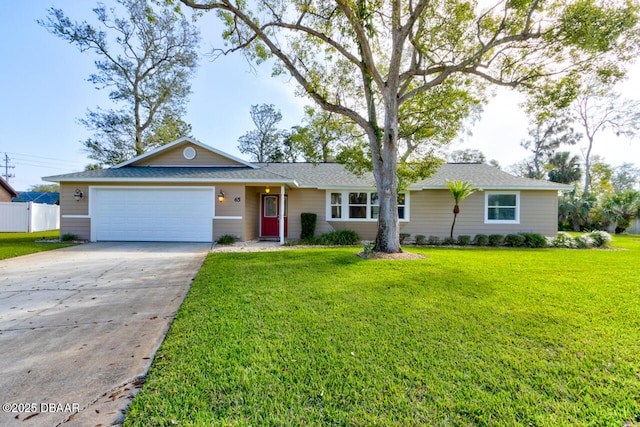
<point x="16" y="244"/>
<point x="466" y="337"/>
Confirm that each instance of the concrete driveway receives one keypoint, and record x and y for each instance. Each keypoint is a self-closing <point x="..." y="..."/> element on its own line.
<point x="79" y="327"/>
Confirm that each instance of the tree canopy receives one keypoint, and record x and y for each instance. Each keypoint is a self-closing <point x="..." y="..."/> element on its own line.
<point x="369" y="61"/>
<point x="145" y="60"/>
<point x="263" y="144"/>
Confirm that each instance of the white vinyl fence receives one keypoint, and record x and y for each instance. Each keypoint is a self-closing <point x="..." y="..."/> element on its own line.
<point x="635" y="227"/>
<point x="28" y="217"/>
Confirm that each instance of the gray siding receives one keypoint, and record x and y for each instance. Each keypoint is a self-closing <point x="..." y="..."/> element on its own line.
<point x="174" y="157"/>
<point x="307" y="200"/>
<point x="432" y="215"/>
<point x="233" y="227"/>
<point x="252" y="212"/>
<point x="80" y="227"/>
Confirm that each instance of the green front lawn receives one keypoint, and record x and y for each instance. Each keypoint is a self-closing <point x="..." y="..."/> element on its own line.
<point x="16" y="244"/>
<point x="466" y="337"/>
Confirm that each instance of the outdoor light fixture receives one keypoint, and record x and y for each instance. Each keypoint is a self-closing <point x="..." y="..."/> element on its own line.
<point x="221" y="196"/>
<point x="267" y="190"/>
<point x="78" y="195"/>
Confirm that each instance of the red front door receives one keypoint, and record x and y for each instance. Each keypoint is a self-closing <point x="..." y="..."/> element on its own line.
<point x="271" y="214"/>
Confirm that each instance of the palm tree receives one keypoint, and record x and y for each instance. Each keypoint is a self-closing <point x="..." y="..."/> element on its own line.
<point x="563" y="168"/>
<point x="574" y="211"/>
<point x="621" y="208"/>
<point x="460" y="190"/>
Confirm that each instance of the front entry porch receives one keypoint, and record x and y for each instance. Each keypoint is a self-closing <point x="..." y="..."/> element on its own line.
<point x="273" y="216"/>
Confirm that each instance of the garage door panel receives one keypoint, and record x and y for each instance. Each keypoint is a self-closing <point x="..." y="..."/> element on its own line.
<point x="153" y="214"/>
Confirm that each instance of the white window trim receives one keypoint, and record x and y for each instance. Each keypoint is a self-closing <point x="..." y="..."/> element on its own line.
<point x="345" y="206"/>
<point x="501" y="221"/>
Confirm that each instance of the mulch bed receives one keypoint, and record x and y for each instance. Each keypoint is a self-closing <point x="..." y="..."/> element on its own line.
<point x="393" y="257"/>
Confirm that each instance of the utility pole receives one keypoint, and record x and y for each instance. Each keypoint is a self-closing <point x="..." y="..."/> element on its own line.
<point x="8" y="166"/>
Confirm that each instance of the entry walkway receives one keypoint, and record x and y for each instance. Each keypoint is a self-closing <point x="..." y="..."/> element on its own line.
<point x="252" y="246"/>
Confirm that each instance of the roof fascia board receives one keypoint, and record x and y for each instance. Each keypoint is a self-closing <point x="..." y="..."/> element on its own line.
<point x="345" y="187"/>
<point x="181" y="141"/>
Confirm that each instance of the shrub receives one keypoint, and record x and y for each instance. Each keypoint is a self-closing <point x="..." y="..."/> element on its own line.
<point x="226" y="239"/>
<point x="449" y="241"/>
<point x="464" y="240"/>
<point x="420" y="239"/>
<point x="584" y="241"/>
<point x="308" y="224"/>
<point x="339" y="238"/>
<point x="534" y="240"/>
<point x="433" y="240"/>
<point x="563" y="240"/>
<point x="514" y="240"/>
<point x="68" y="237"/>
<point x="495" y="239"/>
<point x="481" y="240"/>
<point x="600" y="238"/>
<point x="403" y="237"/>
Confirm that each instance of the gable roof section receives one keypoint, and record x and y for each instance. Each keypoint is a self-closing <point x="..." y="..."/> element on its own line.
<point x="178" y="142"/>
<point x="4" y="184"/>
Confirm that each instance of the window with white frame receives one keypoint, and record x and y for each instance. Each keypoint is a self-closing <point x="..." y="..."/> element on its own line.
<point x="336" y="205"/>
<point x="502" y="207"/>
<point x="360" y="206"/>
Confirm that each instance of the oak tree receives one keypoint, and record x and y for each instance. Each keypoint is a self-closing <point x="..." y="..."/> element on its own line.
<point x="263" y="144"/>
<point x="145" y="60"/>
<point x="368" y="60"/>
<point x="599" y="108"/>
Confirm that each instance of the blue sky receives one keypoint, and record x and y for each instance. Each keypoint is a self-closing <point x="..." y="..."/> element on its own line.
<point x="43" y="81"/>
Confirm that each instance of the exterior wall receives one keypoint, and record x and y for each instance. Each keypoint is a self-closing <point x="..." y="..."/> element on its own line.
<point x="68" y="204"/>
<point x="252" y="212"/>
<point x="432" y="215"/>
<point x="174" y="157"/>
<point x="80" y="227"/>
<point x="5" y="196"/>
<point x="234" y="227"/>
<point x="229" y="214"/>
<point x="366" y="230"/>
<point x="307" y="200"/>
<point x="74" y="216"/>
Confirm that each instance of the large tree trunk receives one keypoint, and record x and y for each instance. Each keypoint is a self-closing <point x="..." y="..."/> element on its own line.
<point x="388" y="235"/>
<point x="587" y="170"/>
<point x="384" y="169"/>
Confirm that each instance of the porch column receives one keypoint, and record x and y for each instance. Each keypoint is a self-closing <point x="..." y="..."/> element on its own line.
<point x="281" y="217"/>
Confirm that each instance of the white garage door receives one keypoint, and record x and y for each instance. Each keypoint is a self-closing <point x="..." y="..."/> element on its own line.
<point x="153" y="214"/>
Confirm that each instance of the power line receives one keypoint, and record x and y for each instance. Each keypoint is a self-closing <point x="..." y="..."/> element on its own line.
<point x="47" y="159"/>
<point x="48" y="166"/>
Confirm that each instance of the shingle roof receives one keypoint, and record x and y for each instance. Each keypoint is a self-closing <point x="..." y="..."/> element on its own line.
<point x="485" y="177"/>
<point x="168" y="174"/>
<point x="321" y="175"/>
<point x="308" y="175"/>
